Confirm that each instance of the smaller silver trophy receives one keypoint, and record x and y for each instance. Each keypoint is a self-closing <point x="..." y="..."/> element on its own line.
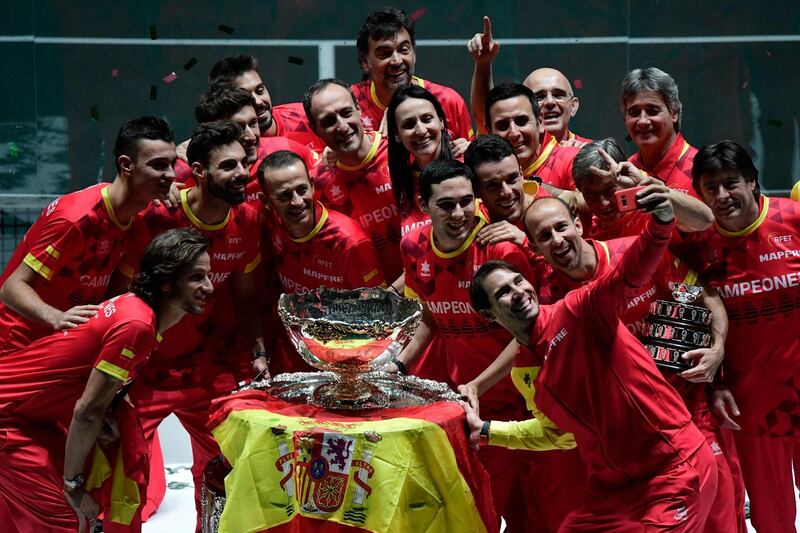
<point x="674" y="328"/>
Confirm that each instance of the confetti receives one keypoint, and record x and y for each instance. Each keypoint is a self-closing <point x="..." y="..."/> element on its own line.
<point x="578" y="84"/>
<point x="153" y="92"/>
<point x="153" y="34"/>
<point x="114" y="72"/>
<point x="169" y="78"/>
<point x="225" y="29"/>
<point x="745" y="84"/>
<point x="418" y="13"/>
<point x="94" y="114"/>
<point x="189" y="64"/>
<point x="769" y="54"/>
<point x="296" y="60"/>
<point x="13" y="151"/>
<point x="774" y="122"/>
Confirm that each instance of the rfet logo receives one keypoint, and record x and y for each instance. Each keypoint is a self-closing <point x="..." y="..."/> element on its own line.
<point x="233" y="240"/>
<point x="384" y="170"/>
<point x="103" y="247"/>
<point x="425" y="270"/>
<point x="779" y="240"/>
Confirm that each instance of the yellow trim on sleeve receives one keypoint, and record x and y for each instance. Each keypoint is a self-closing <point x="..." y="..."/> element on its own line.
<point x="470" y="238"/>
<point x="316" y="229"/>
<point x="604" y="246"/>
<point x="367" y="159"/>
<point x="691" y="278"/>
<point x="127" y="352"/>
<point x="542" y="157"/>
<point x="110" y="209"/>
<point x="193" y="218"/>
<point x="752" y="227"/>
<point x="253" y="264"/>
<point x="38" y="267"/>
<point x="112" y="370"/>
<point x="409" y="293"/>
<point x="371" y="274"/>
<point x="52" y="251"/>
<point x="127" y="270"/>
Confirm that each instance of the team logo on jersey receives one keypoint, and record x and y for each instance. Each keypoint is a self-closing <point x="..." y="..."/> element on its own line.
<point x="277" y="243"/>
<point x="52" y="206"/>
<point x="103" y="247"/>
<point x="233" y="241"/>
<point x="425" y="270"/>
<point x="384" y="171"/>
<point x="778" y="240"/>
<point x="336" y="194"/>
<point x="367" y="122"/>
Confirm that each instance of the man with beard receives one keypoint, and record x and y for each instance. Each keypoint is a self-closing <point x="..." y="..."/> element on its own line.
<point x="285" y="120"/>
<point x="557" y="102"/>
<point x="386" y="53"/>
<point x="311" y="246"/>
<point x="62" y="266"/>
<point x="358" y="185"/>
<point x="439" y="261"/>
<point x="185" y="372"/>
<point x="224" y="102"/>
<point x="513" y="113"/>
<point x="55" y="393"/>
<point x="649" y="466"/>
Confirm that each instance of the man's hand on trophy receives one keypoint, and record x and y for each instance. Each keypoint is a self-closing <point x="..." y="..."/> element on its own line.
<point x="260" y="364"/>
<point x="706" y="361"/>
<point x="474" y="425"/>
<point x="469" y="392"/>
<point x="723" y="405"/>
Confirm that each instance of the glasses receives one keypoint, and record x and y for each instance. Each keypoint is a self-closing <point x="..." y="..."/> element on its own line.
<point x="557" y="96"/>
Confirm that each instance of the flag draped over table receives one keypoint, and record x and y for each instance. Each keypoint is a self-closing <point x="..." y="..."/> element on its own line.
<point x="405" y="469"/>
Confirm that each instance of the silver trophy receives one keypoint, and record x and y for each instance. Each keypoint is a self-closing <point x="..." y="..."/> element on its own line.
<point x="674" y="328"/>
<point x="349" y="335"/>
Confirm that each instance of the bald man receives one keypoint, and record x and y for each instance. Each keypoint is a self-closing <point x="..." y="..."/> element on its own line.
<point x="553" y="91"/>
<point x="556" y="100"/>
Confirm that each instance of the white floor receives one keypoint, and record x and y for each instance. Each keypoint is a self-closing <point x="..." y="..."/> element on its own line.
<point x="177" y="514"/>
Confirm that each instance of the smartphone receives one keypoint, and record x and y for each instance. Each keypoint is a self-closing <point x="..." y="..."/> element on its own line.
<point x="626" y="199"/>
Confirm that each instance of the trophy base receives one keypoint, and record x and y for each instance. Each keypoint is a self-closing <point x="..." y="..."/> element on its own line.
<point x="376" y="390"/>
<point x="349" y="394"/>
<point x="668" y="358"/>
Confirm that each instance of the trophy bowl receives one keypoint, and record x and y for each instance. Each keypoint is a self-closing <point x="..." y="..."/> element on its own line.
<point x="349" y="333"/>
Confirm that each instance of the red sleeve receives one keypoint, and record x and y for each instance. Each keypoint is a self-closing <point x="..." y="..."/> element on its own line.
<point x="126" y="346"/>
<point x="462" y="123"/>
<point x="362" y="265"/>
<point x="636" y="267"/>
<point x="310" y="158"/>
<point x="512" y="254"/>
<point x="411" y="285"/>
<point x="183" y="173"/>
<point x="56" y="243"/>
<point x="139" y="237"/>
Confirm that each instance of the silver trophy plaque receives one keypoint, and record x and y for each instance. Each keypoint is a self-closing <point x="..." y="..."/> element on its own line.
<point x="674" y="328"/>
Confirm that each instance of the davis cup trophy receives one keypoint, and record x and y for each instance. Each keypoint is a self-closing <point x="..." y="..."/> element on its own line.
<point x="674" y="328"/>
<point x="349" y="335"/>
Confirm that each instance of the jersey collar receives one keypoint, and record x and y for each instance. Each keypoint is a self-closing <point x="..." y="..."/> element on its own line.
<point x="110" y="209"/>
<point x="367" y="159"/>
<point x="663" y="168"/>
<point x="548" y="144"/>
<point x="322" y="217"/>
<point x="466" y="244"/>
<point x="373" y="95"/>
<point x="193" y="217"/>
<point x="764" y="201"/>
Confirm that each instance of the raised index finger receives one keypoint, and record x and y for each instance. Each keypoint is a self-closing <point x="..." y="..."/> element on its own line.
<point x="487" y="29"/>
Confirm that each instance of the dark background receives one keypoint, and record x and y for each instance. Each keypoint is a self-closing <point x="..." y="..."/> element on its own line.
<point x="745" y="88"/>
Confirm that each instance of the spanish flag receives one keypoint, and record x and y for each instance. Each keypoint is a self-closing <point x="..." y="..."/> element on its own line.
<point x="297" y="467"/>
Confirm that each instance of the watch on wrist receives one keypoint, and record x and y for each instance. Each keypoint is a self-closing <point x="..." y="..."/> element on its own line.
<point x="483" y="438"/>
<point x="258" y="354"/>
<point x="401" y="367"/>
<point x="74" y="483"/>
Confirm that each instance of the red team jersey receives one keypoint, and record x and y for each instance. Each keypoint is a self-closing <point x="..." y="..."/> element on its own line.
<point x="235" y="248"/>
<point x="266" y="146"/>
<point x="441" y="281"/>
<point x="364" y="193"/>
<point x="292" y="122"/>
<point x="598" y="381"/>
<point x="757" y="273"/>
<point x="575" y="137"/>
<point x="675" y="168"/>
<point x="553" y="163"/>
<point x="74" y="246"/>
<point x="44" y="381"/>
<point x="455" y="110"/>
<point x="336" y="253"/>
